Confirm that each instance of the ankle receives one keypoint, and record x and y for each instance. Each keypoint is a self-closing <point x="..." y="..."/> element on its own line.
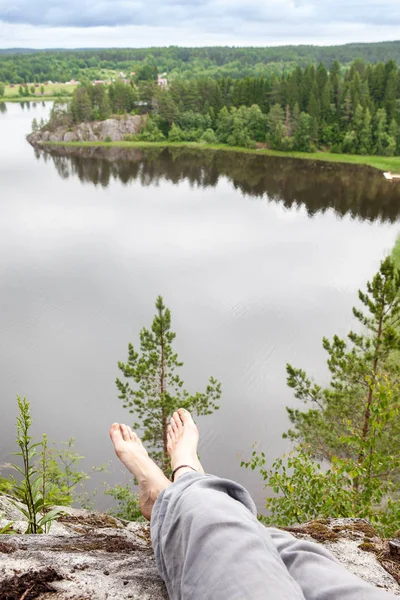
<point x="181" y="470"/>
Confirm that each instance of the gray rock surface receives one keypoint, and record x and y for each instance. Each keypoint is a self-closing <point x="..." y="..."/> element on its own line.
<point x="355" y="544"/>
<point x="97" y="131"/>
<point x="85" y="556"/>
<point x="90" y="555"/>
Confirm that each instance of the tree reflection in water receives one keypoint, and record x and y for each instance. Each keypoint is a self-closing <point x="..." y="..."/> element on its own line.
<point x="355" y="190"/>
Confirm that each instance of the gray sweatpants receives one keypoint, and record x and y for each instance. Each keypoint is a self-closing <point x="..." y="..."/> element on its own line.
<point x="209" y="545"/>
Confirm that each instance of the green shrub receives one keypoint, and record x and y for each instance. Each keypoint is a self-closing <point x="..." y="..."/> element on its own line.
<point x="176" y="134"/>
<point x="209" y="137"/>
<point x="151" y="133"/>
<point x="127" y="503"/>
<point x="31" y="490"/>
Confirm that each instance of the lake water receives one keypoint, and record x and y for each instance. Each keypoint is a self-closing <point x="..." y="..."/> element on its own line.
<point x="257" y="259"/>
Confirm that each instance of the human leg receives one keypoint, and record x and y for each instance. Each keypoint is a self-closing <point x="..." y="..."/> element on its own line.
<point x="207" y="540"/>
<point x="220" y="538"/>
<point x="318" y="573"/>
<point x="209" y="544"/>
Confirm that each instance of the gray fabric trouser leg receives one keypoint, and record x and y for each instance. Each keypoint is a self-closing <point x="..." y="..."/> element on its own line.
<point x="318" y="573"/>
<point x="209" y="545"/>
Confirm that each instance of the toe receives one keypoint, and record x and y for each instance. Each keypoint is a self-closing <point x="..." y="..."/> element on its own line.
<point x="178" y="421"/>
<point x="132" y="435"/>
<point x="169" y="442"/>
<point x="125" y="433"/>
<point x="171" y="434"/>
<point x="174" y="426"/>
<point x="115" y="431"/>
<point x="186" y="418"/>
<point x="184" y="415"/>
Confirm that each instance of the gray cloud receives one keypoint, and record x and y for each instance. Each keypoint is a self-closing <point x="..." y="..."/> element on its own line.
<point x="201" y="14"/>
<point x="143" y="23"/>
<point x="94" y="13"/>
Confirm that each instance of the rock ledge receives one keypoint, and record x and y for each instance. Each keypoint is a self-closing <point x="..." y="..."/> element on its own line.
<point x="113" y="130"/>
<point x="95" y="556"/>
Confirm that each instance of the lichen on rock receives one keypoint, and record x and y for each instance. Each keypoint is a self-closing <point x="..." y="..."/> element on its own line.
<point x="355" y="544"/>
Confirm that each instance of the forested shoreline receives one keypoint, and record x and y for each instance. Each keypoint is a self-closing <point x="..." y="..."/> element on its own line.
<point x="26" y="66"/>
<point x="353" y="111"/>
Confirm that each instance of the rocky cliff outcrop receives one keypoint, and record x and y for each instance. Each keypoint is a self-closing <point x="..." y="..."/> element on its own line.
<point x="97" y="131"/>
<point x="356" y="544"/>
<point x="86" y="556"/>
<point x="94" y="556"/>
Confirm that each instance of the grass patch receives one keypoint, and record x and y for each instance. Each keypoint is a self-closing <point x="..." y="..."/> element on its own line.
<point x="34" y="98"/>
<point x="51" y="92"/>
<point x="378" y="162"/>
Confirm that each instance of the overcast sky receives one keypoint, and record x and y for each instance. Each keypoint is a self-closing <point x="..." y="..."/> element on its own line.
<point x="140" y="23"/>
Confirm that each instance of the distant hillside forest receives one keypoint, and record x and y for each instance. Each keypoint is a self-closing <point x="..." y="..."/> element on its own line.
<point x="355" y="112"/>
<point x="29" y="66"/>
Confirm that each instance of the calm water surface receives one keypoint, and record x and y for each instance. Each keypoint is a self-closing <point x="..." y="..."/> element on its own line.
<point x="257" y="259"/>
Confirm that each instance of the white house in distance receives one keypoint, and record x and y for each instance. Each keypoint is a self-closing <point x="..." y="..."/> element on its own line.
<point x="162" y="80"/>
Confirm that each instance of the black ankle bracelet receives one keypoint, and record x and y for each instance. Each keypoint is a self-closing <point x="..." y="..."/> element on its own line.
<point x="181" y="467"/>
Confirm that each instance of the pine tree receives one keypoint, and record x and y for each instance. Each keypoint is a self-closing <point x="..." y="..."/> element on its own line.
<point x="326" y="105"/>
<point x="385" y="145"/>
<point x="394" y="133"/>
<point x="322" y="78"/>
<point x="224" y="124"/>
<point x="277" y="131"/>
<point x="377" y="83"/>
<point x="365" y="98"/>
<point x="390" y="95"/>
<point x="81" y="105"/>
<point x="358" y="119"/>
<point x="313" y="107"/>
<point x="104" y="108"/>
<point x="295" y="118"/>
<point x="365" y="135"/>
<point x="344" y="408"/>
<point x="302" y="137"/>
<point x="346" y="109"/>
<point x="309" y="87"/>
<point x="355" y="91"/>
<point x="288" y="121"/>
<point x="334" y="78"/>
<point x="152" y="389"/>
<point x="275" y="95"/>
<point x="167" y="108"/>
<point x="294" y="87"/>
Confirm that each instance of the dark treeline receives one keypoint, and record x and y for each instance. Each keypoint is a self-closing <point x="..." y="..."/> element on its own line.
<point x="360" y="192"/>
<point x="355" y="112"/>
<point x="63" y="65"/>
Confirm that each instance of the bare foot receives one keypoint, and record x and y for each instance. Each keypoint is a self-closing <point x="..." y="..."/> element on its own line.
<point x="133" y="455"/>
<point x="183" y="437"/>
